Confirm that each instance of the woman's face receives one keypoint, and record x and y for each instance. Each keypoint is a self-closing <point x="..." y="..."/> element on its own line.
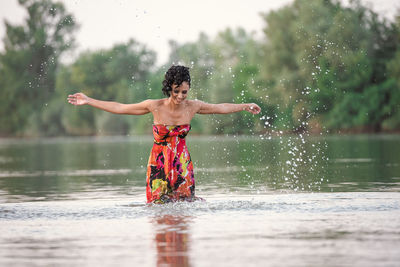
<point x="179" y="93"/>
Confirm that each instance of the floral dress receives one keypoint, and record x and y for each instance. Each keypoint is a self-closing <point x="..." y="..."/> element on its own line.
<point x="170" y="169"/>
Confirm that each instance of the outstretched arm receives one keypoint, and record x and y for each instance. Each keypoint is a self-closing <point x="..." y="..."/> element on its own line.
<point x="225" y="108"/>
<point x="141" y="108"/>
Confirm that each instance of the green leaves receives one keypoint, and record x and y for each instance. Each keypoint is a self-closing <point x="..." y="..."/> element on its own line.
<point x="319" y="64"/>
<point x="332" y="58"/>
<point x="118" y="74"/>
<point x="28" y="66"/>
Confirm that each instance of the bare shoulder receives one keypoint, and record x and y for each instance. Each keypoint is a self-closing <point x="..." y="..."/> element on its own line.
<point x="154" y="103"/>
<point x="195" y="105"/>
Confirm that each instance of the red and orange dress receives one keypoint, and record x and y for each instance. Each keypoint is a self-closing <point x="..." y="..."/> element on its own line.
<point x="170" y="169"/>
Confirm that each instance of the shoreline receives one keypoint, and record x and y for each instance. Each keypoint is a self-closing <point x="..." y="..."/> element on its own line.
<point x="148" y="137"/>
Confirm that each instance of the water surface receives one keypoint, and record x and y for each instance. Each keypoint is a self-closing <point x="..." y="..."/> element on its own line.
<point x="291" y="201"/>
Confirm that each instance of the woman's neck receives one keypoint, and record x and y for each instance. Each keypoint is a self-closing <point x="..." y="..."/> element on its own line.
<point x="173" y="106"/>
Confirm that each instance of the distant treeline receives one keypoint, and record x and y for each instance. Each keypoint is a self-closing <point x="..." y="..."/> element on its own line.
<point x="319" y="66"/>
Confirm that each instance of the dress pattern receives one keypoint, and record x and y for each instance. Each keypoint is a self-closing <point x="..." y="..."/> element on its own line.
<point x="170" y="169"/>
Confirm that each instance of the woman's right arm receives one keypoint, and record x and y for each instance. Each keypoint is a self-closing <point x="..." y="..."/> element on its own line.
<point x="141" y="108"/>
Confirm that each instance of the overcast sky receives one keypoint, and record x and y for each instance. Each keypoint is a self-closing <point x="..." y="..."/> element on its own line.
<point x="154" y="22"/>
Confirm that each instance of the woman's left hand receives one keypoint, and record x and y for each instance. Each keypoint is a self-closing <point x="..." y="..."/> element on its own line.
<point x="253" y="108"/>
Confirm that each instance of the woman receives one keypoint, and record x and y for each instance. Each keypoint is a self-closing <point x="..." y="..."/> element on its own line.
<point x="170" y="169"/>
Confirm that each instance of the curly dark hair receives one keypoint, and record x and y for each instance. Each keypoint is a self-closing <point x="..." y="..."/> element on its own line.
<point x="175" y="75"/>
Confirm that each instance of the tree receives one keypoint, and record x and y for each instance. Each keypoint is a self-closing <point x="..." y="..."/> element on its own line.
<point x="121" y="73"/>
<point x="392" y="107"/>
<point x="223" y="70"/>
<point x="29" y="63"/>
<point x="327" y="60"/>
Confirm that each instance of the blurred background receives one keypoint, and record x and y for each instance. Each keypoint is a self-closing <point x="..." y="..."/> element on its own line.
<point x="326" y="74"/>
<point x="315" y="66"/>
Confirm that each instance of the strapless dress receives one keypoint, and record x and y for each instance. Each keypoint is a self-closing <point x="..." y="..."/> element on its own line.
<point x="169" y="174"/>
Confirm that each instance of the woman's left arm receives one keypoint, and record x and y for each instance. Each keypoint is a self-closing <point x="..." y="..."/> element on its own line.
<point x="225" y="108"/>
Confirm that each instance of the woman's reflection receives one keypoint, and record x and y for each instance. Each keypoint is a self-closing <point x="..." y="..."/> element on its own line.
<point x="172" y="240"/>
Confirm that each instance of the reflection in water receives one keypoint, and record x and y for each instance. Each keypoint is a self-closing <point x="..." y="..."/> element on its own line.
<point x="172" y="240"/>
<point x="48" y="191"/>
<point x="66" y="169"/>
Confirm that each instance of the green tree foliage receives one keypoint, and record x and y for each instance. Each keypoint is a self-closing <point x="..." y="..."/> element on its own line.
<point x="28" y="66"/>
<point x="392" y="105"/>
<point x="320" y="64"/>
<point x="119" y="74"/>
<point x="223" y="70"/>
<point x="324" y="59"/>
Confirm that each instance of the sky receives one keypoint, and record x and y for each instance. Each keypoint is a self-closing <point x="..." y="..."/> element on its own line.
<point x="104" y="23"/>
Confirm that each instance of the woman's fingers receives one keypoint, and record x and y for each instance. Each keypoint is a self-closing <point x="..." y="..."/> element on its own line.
<point x="254" y="108"/>
<point x="72" y="99"/>
<point x="77" y="99"/>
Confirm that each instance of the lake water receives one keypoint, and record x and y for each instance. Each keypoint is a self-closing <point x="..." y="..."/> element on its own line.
<point x="280" y="201"/>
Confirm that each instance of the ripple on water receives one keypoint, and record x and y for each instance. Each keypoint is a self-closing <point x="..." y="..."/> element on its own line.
<point x="353" y="160"/>
<point x="93" y="172"/>
<point x="122" y="208"/>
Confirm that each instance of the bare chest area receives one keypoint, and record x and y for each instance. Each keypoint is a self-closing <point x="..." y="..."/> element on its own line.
<point x="166" y="116"/>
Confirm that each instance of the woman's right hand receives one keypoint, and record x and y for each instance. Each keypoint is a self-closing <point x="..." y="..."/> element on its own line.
<point x="78" y="99"/>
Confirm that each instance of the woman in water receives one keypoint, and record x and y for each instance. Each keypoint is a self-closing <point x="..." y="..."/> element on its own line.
<point x="170" y="170"/>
